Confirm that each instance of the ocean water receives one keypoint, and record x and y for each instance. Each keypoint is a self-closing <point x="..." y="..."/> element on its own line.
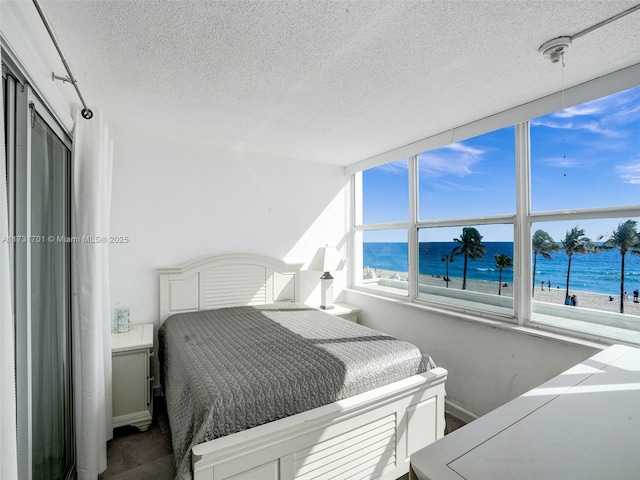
<point x="599" y="273"/>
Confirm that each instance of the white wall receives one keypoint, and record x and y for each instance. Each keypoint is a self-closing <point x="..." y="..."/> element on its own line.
<point x="177" y="201"/>
<point x="487" y="365"/>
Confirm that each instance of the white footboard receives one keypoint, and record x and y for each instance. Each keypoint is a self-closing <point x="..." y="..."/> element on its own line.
<point x="367" y="436"/>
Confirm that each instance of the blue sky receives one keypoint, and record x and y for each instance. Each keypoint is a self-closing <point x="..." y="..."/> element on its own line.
<point x="585" y="156"/>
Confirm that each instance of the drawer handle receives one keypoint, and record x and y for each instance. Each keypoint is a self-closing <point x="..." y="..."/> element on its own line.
<point x="152" y="354"/>
<point x="152" y="379"/>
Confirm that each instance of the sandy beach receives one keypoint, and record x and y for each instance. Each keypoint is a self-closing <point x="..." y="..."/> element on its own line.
<point x="596" y="301"/>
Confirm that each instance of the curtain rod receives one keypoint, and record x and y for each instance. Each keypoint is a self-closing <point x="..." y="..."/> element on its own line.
<point x="86" y="112"/>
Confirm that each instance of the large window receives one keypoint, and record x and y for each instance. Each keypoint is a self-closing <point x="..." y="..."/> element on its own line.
<point x="464" y="193"/>
<point x="384" y="247"/>
<point x="535" y="223"/>
<point x="457" y="184"/>
<point x="585" y="192"/>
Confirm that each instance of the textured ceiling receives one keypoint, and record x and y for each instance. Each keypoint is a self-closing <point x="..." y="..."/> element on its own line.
<point x="327" y="81"/>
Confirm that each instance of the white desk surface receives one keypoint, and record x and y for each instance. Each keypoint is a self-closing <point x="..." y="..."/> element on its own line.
<point x="138" y="336"/>
<point x="583" y="424"/>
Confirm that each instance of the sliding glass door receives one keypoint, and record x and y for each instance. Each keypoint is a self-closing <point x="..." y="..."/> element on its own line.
<point x="39" y="175"/>
<point x="50" y="301"/>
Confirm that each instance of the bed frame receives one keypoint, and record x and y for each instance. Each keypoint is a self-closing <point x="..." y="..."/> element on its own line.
<point x="366" y="436"/>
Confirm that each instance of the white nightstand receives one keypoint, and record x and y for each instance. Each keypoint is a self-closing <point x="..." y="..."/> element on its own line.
<point x="131" y="353"/>
<point x="348" y="312"/>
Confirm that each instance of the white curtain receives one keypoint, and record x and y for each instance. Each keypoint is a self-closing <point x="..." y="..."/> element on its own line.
<point x="8" y="439"/>
<point x="92" y="163"/>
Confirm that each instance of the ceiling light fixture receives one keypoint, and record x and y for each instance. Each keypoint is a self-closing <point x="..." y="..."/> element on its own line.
<point x="554" y="49"/>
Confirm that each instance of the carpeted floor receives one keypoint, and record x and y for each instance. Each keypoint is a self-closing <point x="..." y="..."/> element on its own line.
<point x="136" y="455"/>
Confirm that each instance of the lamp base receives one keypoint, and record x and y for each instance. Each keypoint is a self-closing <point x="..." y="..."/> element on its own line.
<point x="326" y="293"/>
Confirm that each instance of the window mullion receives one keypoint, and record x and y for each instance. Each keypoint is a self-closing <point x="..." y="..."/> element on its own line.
<point x="356" y="237"/>
<point x="412" y="230"/>
<point x="522" y="234"/>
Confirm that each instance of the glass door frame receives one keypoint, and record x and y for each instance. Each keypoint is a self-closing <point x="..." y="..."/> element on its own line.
<point x="24" y="105"/>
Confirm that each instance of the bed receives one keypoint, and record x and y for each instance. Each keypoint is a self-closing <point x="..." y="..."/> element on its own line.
<point x="260" y="386"/>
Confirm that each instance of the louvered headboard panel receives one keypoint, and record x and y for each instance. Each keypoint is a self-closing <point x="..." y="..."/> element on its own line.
<point x="226" y="281"/>
<point x="232" y="285"/>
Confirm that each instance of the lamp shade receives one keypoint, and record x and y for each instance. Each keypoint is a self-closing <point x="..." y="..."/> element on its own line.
<point x="326" y="259"/>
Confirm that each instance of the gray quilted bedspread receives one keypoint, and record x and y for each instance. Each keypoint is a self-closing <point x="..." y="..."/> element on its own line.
<point x="231" y="369"/>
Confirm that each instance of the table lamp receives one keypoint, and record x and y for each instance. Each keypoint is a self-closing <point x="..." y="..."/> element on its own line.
<point x="325" y="260"/>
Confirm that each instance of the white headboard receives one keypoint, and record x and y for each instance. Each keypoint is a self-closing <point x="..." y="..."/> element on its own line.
<point x="226" y="281"/>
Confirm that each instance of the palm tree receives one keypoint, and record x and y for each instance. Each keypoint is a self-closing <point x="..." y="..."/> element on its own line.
<point x="471" y="247"/>
<point x="502" y="262"/>
<point x="576" y="242"/>
<point x="542" y="244"/>
<point x="626" y="239"/>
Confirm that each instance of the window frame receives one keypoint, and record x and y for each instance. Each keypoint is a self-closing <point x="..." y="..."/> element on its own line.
<point x="523" y="218"/>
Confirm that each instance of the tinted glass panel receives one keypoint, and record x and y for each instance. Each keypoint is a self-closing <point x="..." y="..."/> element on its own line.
<point x="50" y="305"/>
<point x="475" y="177"/>
<point x="587" y="156"/>
<point x="467" y="266"/>
<point x="385" y="256"/>
<point x="385" y="193"/>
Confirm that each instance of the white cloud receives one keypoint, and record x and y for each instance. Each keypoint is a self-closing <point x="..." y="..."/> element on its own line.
<point x="597" y="127"/>
<point x="630" y="173"/>
<point x="448" y="186"/>
<point x="560" y="162"/>
<point x="578" y="111"/>
<point x="455" y="159"/>
<point x="593" y="127"/>
<point x="609" y="117"/>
